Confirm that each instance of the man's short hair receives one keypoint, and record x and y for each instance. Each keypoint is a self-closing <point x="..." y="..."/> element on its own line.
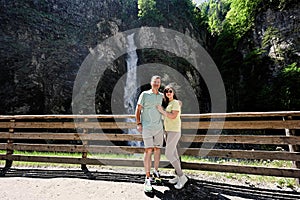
<point x="155" y="77"/>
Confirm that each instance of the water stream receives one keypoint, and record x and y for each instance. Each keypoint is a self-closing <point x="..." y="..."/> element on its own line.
<point x="130" y="90"/>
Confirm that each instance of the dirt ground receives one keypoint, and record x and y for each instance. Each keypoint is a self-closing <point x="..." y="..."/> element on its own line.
<point x="61" y="183"/>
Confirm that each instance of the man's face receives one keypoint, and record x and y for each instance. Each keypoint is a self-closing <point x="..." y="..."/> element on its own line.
<point x="155" y="84"/>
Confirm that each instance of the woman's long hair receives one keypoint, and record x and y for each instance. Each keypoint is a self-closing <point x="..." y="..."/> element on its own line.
<point x="166" y="99"/>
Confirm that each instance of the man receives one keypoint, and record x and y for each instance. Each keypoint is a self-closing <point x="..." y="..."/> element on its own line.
<point x="149" y="123"/>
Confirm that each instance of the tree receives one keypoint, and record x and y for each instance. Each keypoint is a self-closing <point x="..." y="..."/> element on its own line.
<point x="240" y="18"/>
<point x="148" y="12"/>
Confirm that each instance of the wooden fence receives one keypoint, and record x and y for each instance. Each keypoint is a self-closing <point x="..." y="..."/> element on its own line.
<point x="60" y="133"/>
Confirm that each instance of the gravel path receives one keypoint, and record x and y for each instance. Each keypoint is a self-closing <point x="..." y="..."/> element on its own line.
<point x="127" y="184"/>
<point x="67" y="188"/>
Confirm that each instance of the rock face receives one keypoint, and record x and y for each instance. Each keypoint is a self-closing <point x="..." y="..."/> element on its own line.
<point x="271" y="53"/>
<point x="43" y="44"/>
<point x="278" y="32"/>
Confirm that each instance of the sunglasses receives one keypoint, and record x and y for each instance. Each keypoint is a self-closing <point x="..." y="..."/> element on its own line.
<point x="168" y="91"/>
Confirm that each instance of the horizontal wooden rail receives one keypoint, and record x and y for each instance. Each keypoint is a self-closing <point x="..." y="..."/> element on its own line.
<point x="197" y="116"/>
<point x="221" y="153"/>
<point x="230" y="139"/>
<point x="255" y="170"/>
<point x="71" y="136"/>
<point x="281" y="172"/>
<point x="242" y="139"/>
<point x="243" y="154"/>
<point x="271" y="124"/>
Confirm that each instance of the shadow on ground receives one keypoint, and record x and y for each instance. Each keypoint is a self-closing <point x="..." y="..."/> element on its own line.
<point x="195" y="189"/>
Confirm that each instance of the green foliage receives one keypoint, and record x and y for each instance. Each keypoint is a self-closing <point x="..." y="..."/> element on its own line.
<point x="213" y="12"/>
<point x="270" y="34"/>
<point x="232" y="16"/>
<point x="175" y="14"/>
<point x="289" y="87"/>
<point x="146" y="7"/>
<point x="254" y="56"/>
<point x="240" y="17"/>
<point x="148" y="12"/>
<point x="284" y="92"/>
<point x="292" y="71"/>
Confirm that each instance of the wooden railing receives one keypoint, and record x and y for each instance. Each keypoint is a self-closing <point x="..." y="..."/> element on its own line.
<point x="98" y="134"/>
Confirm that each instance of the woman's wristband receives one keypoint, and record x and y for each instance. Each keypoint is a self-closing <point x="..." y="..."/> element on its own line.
<point x="139" y="124"/>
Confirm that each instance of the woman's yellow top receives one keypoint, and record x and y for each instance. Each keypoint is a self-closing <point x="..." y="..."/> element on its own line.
<point x="173" y="124"/>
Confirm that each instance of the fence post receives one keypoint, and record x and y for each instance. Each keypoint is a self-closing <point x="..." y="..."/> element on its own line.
<point x="84" y="154"/>
<point x="9" y="148"/>
<point x="293" y="148"/>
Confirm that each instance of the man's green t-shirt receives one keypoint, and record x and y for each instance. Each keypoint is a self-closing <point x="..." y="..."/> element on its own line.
<point x="150" y="116"/>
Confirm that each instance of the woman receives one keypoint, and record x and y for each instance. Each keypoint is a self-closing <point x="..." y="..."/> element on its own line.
<point x="172" y="125"/>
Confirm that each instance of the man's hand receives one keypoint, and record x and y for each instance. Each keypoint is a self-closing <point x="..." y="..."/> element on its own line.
<point x="138" y="118"/>
<point x="139" y="128"/>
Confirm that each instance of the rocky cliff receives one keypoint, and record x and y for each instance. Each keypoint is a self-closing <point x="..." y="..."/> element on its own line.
<point x="43" y="44"/>
<point x="276" y="31"/>
<point x="271" y="52"/>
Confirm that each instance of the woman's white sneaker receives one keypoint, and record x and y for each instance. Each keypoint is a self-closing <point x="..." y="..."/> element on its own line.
<point x="174" y="180"/>
<point x="181" y="182"/>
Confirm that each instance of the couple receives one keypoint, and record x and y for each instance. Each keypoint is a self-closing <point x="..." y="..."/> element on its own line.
<point x="151" y="106"/>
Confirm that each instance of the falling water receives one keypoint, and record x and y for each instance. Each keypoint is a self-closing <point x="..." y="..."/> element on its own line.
<point x="130" y="90"/>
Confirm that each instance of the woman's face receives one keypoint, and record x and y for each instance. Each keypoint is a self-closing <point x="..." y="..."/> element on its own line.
<point x="169" y="93"/>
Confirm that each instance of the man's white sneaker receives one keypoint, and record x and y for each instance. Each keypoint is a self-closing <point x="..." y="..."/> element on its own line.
<point x="181" y="182"/>
<point x="147" y="185"/>
<point x="174" y="180"/>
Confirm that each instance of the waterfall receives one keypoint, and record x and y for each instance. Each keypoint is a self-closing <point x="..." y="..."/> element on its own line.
<point x="130" y="90"/>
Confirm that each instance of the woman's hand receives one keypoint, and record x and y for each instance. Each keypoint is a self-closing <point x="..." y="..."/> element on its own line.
<point x="180" y="103"/>
<point x="171" y="115"/>
<point x="160" y="109"/>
